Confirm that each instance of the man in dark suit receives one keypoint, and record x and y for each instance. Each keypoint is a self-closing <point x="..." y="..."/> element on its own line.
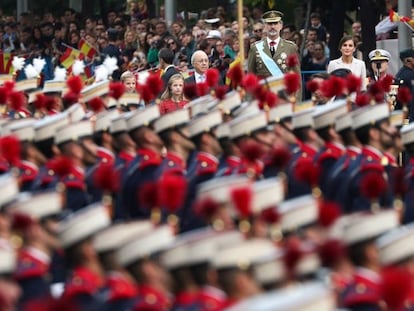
<point x="268" y="56"/>
<point x="200" y="63"/>
<point x="166" y="58"/>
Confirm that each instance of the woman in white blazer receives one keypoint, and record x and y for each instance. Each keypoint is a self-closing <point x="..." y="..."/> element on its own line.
<point x="347" y="60"/>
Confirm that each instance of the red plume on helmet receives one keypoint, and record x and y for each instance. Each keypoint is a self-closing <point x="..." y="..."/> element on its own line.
<point x="17" y="100"/>
<point x="250" y="82"/>
<point x="40" y="101"/>
<point x="353" y="83"/>
<point x="147" y="195"/>
<point x="270" y="215"/>
<point x="386" y="82"/>
<point x="329" y="212"/>
<point x="75" y="84"/>
<point x="376" y="91"/>
<point x="10" y="149"/>
<point x="373" y="185"/>
<point x="395" y="287"/>
<point x="202" y="88"/>
<point x="307" y="171"/>
<point x="172" y="190"/>
<point x="96" y="104"/>
<point x="21" y="222"/>
<point x="280" y="157"/>
<point x="190" y="91"/>
<point x="252" y="150"/>
<point x="116" y="90"/>
<point x="106" y="178"/>
<point x="334" y="86"/>
<point x="293" y="253"/>
<point x="206" y="208"/>
<point x="220" y="91"/>
<point x="404" y="95"/>
<point x="242" y="200"/>
<point x="212" y="77"/>
<point x="292" y="61"/>
<point x="61" y="165"/>
<point x="4" y="94"/>
<point x="362" y="100"/>
<point x="312" y="86"/>
<point x="155" y="84"/>
<point x="70" y="98"/>
<point x="235" y="74"/>
<point x="331" y="252"/>
<point x="292" y="82"/>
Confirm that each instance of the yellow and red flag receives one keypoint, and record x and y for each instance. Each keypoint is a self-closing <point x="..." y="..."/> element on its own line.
<point x="6" y="63"/>
<point x="69" y="57"/>
<point x="86" y="49"/>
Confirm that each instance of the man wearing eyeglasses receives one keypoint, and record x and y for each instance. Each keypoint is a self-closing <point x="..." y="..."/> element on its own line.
<point x="268" y="56"/>
<point x="200" y="63"/>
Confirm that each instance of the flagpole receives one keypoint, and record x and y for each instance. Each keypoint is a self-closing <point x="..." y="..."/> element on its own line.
<point x="241" y="32"/>
<point x="69" y="47"/>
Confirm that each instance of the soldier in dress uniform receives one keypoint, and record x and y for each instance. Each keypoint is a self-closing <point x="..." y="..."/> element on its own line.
<point x="252" y="128"/>
<point x="405" y="77"/>
<point x="202" y="133"/>
<point x="105" y="153"/>
<point x="45" y="130"/>
<point x="122" y="288"/>
<point x="324" y="119"/>
<point x="86" y="281"/>
<point x="364" y="293"/>
<point x="143" y="167"/>
<point x="32" y="158"/>
<point x="373" y="129"/>
<point x="33" y="270"/>
<point x="343" y="126"/>
<point x="173" y="130"/>
<point x="138" y="256"/>
<point x="234" y="275"/>
<point x="123" y="144"/>
<point x="70" y="141"/>
<point x="399" y="238"/>
<point x="268" y="56"/>
<point x="280" y="117"/>
<point x="10" y="292"/>
<point x="407" y="135"/>
<point x="309" y="143"/>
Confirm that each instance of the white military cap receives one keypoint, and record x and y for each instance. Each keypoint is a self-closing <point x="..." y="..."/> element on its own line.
<point x="83" y="224"/>
<point x="38" y="205"/>
<point x="280" y="113"/>
<point x="309" y="296"/>
<point x="76" y="112"/>
<point x="9" y="188"/>
<point x="129" y="99"/>
<point x="379" y="55"/>
<point x="369" y="226"/>
<point x="298" y="212"/>
<point x="230" y="102"/>
<point x="201" y="105"/>
<point x="143" y="117"/>
<point x="26" y="84"/>
<point x="246" y="125"/>
<point x="303" y="118"/>
<point x="223" y="131"/>
<point x="148" y="244"/>
<point x="396" y="245"/>
<point x="95" y="90"/>
<point x="119" y="124"/>
<point x="205" y="123"/>
<point x="343" y="122"/>
<point x="219" y="189"/>
<point x="103" y="120"/>
<point x="172" y="120"/>
<point x="23" y="130"/>
<point x="369" y="115"/>
<point x="326" y="115"/>
<point x="46" y="128"/>
<point x="53" y="86"/>
<point x="407" y="134"/>
<point x="270" y="268"/>
<point x="73" y="132"/>
<point x="8" y="261"/>
<point x="114" y="237"/>
<point x="397" y="118"/>
<point x="267" y="193"/>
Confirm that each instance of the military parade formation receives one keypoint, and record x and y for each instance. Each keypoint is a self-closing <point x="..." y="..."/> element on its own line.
<point x="245" y="198"/>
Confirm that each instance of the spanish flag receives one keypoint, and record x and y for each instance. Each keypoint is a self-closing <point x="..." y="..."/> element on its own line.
<point x="69" y="57"/>
<point x="6" y="63"/>
<point x="236" y="62"/>
<point x="86" y="49"/>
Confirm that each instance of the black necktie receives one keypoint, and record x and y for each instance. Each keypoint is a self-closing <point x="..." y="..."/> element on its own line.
<point x="272" y="47"/>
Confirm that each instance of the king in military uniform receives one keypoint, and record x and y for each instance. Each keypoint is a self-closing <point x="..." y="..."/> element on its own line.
<point x="268" y="56"/>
